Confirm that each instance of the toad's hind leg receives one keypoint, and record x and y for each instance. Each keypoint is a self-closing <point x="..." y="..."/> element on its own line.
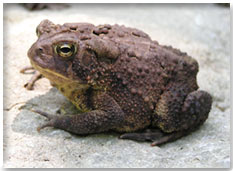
<point x="175" y="121"/>
<point x="183" y="120"/>
<point x="155" y="136"/>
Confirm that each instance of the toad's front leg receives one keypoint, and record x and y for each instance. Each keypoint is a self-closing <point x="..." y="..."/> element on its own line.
<point x="107" y="115"/>
<point x="36" y="76"/>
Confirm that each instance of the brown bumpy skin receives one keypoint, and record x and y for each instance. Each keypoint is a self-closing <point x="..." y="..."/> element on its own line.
<point x="121" y="80"/>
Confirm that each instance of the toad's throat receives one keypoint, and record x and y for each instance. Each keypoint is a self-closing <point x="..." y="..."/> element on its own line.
<point x="73" y="90"/>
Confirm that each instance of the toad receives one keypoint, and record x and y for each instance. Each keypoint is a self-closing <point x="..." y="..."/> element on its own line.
<point x="121" y="80"/>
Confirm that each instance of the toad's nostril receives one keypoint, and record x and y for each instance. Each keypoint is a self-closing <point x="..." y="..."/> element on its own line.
<point x="39" y="51"/>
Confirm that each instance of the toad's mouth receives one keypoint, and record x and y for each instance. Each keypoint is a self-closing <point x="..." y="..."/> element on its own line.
<point x="58" y="79"/>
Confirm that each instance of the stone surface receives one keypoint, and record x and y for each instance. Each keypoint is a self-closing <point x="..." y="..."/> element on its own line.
<point x="203" y="31"/>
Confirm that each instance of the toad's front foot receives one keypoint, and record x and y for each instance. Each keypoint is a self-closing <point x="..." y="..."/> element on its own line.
<point x="52" y="119"/>
<point x="36" y="76"/>
<point x="109" y="116"/>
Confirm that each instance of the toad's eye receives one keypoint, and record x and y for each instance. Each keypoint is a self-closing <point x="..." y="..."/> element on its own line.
<point x="65" y="50"/>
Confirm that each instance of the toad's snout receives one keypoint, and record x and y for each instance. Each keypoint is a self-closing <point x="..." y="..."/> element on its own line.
<point x="39" y="55"/>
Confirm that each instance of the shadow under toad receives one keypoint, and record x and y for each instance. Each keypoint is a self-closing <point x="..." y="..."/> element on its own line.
<point x="53" y="102"/>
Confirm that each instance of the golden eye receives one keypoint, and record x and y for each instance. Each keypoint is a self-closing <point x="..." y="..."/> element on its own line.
<point x="65" y="50"/>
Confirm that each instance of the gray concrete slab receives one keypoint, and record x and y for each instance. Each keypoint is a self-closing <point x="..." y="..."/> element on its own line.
<point x="203" y="31"/>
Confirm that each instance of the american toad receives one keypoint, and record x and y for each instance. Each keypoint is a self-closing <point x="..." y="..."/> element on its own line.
<point x="121" y="80"/>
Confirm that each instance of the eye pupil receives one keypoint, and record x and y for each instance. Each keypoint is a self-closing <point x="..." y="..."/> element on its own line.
<point x="65" y="50"/>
